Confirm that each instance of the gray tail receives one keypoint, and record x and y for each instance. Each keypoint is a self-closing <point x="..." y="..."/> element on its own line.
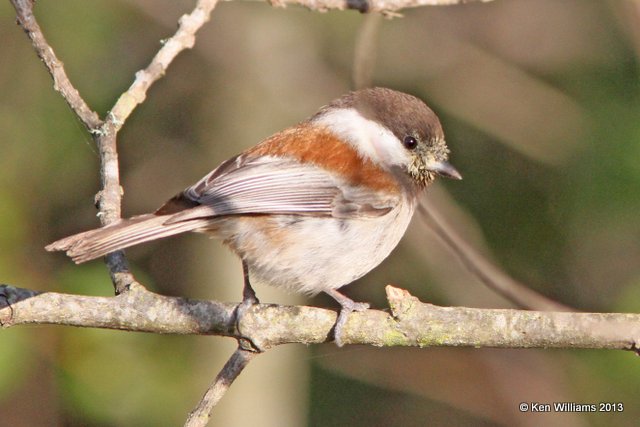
<point x="128" y="232"/>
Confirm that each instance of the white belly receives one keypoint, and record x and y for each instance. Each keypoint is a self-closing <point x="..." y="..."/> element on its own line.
<point x="308" y="254"/>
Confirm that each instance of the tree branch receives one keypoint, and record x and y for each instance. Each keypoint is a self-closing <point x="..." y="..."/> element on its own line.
<point x="199" y="417"/>
<point x="61" y="83"/>
<point x="136" y="310"/>
<point x="382" y="6"/>
<point x="184" y="38"/>
<point x="109" y="199"/>
<point x="410" y="322"/>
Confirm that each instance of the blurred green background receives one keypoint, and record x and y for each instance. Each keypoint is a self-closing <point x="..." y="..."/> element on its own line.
<point x="540" y="104"/>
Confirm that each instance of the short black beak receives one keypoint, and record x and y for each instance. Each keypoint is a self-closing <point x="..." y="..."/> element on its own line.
<point x="445" y="169"/>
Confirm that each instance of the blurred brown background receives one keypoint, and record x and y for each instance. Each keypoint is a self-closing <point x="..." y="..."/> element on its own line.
<point x="540" y="104"/>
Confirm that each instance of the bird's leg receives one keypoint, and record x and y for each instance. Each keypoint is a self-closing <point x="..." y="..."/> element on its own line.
<point x="249" y="297"/>
<point x="248" y="294"/>
<point x="347" y="306"/>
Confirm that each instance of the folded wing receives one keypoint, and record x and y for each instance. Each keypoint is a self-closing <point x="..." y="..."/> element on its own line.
<point x="276" y="185"/>
<point x="243" y="185"/>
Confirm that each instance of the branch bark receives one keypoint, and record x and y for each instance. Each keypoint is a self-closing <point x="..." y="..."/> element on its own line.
<point x="184" y="38"/>
<point x="61" y="83"/>
<point x="109" y="199"/>
<point x="381" y="6"/>
<point x="199" y="417"/>
<point x="104" y="133"/>
<point x="409" y="322"/>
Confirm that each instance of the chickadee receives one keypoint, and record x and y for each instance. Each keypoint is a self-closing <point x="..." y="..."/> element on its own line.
<point x="313" y="207"/>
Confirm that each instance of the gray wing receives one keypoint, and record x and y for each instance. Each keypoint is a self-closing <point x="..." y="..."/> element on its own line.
<point x="276" y="185"/>
<point x="242" y="185"/>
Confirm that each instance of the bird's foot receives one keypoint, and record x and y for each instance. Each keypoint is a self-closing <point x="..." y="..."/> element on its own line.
<point x="249" y="299"/>
<point x="348" y="306"/>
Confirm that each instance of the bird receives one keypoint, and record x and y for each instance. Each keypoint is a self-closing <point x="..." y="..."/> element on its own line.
<point x="311" y="208"/>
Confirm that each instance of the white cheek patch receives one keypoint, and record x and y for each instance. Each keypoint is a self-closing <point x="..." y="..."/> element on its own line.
<point x="372" y="140"/>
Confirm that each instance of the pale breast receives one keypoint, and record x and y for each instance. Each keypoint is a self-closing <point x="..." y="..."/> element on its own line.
<point x="310" y="254"/>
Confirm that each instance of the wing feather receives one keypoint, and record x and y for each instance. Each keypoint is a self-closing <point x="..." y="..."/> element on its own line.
<point x="278" y="185"/>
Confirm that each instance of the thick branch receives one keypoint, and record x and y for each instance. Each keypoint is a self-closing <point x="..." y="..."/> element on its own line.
<point x="410" y="323"/>
<point x="137" y="310"/>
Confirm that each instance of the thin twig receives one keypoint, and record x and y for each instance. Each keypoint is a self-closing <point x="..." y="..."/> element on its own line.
<point x="109" y="200"/>
<point x="383" y="6"/>
<point x="61" y="83"/>
<point x="199" y="417"/>
<point x="489" y="274"/>
<point x="183" y="39"/>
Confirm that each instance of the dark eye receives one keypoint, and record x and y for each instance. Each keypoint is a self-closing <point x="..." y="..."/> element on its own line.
<point x="410" y="142"/>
